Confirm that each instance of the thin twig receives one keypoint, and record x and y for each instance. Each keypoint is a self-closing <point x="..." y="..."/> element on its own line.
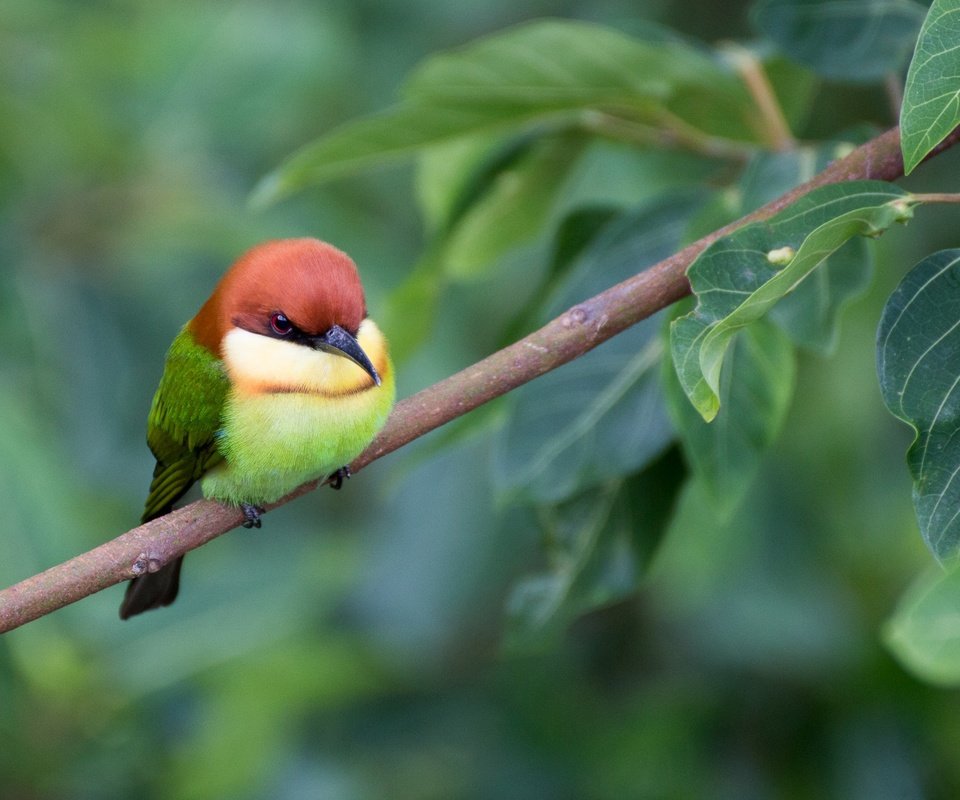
<point x="775" y="125"/>
<point x="671" y="133"/>
<point x="573" y="333"/>
<point x="935" y="197"/>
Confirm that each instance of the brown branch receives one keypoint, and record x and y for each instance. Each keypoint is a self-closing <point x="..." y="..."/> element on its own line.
<point x="573" y="333"/>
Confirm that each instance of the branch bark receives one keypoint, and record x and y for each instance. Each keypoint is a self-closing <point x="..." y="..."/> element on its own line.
<point x="573" y="333"/>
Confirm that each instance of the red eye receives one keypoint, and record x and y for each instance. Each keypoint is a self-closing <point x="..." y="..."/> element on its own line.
<point x="280" y="324"/>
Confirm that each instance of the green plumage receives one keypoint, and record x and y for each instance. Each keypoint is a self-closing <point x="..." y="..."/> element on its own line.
<point x="182" y="434"/>
<point x="244" y="447"/>
<point x="183" y="422"/>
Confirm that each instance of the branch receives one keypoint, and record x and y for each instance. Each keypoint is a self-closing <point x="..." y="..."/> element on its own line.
<point x="573" y="333"/>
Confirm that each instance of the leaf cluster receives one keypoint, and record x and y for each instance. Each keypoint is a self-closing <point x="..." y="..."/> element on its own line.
<point x="558" y="158"/>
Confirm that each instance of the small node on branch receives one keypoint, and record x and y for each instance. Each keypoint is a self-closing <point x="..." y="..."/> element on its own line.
<point x="577" y="315"/>
<point x="146" y="563"/>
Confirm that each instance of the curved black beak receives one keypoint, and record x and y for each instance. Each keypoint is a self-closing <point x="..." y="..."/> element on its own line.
<point x="339" y="342"/>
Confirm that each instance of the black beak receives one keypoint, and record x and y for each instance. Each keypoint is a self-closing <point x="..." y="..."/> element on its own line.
<point x="339" y="342"/>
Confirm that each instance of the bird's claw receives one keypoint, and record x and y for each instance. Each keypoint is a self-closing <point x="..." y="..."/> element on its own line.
<point x="337" y="478"/>
<point x="251" y="514"/>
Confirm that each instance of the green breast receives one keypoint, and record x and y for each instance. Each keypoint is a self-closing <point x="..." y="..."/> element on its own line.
<point x="271" y="443"/>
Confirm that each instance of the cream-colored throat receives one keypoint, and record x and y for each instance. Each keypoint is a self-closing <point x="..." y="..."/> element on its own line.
<point x="263" y="365"/>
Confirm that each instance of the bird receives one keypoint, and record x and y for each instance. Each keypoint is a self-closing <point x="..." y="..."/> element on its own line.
<point x="280" y="378"/>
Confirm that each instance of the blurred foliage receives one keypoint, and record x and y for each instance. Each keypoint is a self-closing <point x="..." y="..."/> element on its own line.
<point x="854" y="40"/>
<point x="542" y="601"/>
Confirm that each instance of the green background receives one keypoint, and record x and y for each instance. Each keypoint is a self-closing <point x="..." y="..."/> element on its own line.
<point x="352" y="648"/>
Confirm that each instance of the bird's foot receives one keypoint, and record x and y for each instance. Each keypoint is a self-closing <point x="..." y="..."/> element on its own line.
<point x="337" y="478"/>
<point x="252" y="515"/>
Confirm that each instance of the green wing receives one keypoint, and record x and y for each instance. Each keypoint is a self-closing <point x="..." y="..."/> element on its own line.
<point x="183" y="422"/>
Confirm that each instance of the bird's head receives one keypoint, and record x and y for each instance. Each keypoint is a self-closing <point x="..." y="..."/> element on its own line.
<point x="290" y="316"/>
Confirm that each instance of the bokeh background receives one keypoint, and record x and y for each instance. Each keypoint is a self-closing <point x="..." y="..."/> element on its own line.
<point x="352" y="648"/>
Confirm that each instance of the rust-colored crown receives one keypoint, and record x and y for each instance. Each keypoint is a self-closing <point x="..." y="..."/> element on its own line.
<point x="312" y="283"/>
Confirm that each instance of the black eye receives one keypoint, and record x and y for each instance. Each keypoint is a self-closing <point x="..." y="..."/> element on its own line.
<point x="280" y="324"/>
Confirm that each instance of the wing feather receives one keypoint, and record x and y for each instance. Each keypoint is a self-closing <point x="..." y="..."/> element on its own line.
<point x="184" y="421"/>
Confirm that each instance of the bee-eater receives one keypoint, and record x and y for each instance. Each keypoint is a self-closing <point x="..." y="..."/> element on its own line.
<point x="280" y="378"/>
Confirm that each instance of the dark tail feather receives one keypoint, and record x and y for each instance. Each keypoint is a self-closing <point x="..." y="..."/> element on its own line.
<point x="152" y="590"/>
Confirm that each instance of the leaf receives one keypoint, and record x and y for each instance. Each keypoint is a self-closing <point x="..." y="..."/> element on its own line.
<point x="917" y="360"/>
<point x="924" y="631"/>
<point x="756" y="389"/>
<point x="512" y="210"/>
<point x="616" y="174"/>
<point x="564" y="64"/>
<point x="854" y="40"/>
<point x="541" y="605"/>
<point x="931" y="96"/>
<point x="409" y="312"/>
<point x="370" y="141"/>
<point x="810" y="314"/>
<point x="544" y="179"/>
<point x="601" y="416"/>
<point x="742" y="276"/>
<point x="450" y="175"/>
<point x="541" y="75"/>
<point x="597" y="546"/>
<point x="576" y="232"/>
<point x="598" y="417"/>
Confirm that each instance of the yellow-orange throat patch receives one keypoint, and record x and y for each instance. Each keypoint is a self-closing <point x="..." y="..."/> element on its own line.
<point x="263" y="365"/>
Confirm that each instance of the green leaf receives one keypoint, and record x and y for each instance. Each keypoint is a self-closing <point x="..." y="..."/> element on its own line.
<point x="924" y="631"/>
<point x="449" y="176"/>
<point x="543" y="75"/>
<point x="512" y="210"/>
<point x="931" y="97"/>
<point x="853" y="40"/>
<point x="576" y="232"/>
<point x="531" y="184"/>
<point x="743" y="275"/>
<point x="811" y="313"/>
<point x="597" y="546"/>
<point x="602" y="415"/>
<point x="917" y="346"/>
<point x="598" y="417"/>
<point x="616" y="174"/>
<point x="541" y="605"/>
<point x="371" y="141"/>
<point x="756" y="389"/>
<point x="410" y="310"/>
<point x="563" y="64"/>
